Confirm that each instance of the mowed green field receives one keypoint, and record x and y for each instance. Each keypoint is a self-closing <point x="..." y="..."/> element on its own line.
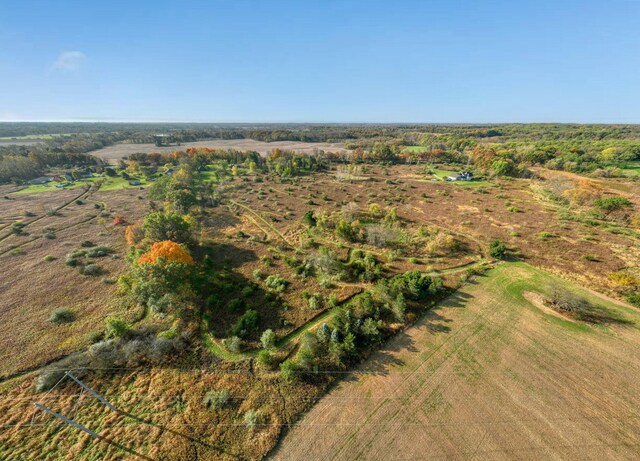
<point x="487" y="375"/>
<point x="108" y="183"/>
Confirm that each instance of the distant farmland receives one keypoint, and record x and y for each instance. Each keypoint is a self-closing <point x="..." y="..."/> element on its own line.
<point x="486" y="375"/>
<point x="116" y="152"/>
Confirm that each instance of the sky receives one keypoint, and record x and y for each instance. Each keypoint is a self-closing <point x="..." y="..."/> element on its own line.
<point x="465" y="61"/>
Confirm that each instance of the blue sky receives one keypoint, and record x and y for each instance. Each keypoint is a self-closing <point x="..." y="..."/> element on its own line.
<point x="321" y="61"/>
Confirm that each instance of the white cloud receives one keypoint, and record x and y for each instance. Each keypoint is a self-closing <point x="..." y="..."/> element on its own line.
<point x="69" y="60"/>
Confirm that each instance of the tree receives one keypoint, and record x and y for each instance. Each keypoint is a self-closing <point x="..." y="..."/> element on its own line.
<point x="167" y="252"/>
<point x="268" y="339"/>
<point x="309" y="219"/>
<point x="170" y="226"/>
<point x="181" y="199"/>
<point x="497" y="249"/>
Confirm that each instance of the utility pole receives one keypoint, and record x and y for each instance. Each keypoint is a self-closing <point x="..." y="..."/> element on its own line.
<point x="91" y="391"/>
<point x="67" y="420"/>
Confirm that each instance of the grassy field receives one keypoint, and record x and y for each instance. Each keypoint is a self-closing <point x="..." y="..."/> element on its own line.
<point x="486" y="374"/>
<point x="108" y="183"/>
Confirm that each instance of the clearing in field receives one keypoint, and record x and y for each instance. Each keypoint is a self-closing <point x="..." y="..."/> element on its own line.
<point x="487" y="375"/>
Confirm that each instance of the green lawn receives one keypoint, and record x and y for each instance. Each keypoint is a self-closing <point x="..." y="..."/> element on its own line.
<point x="110" y="183"/>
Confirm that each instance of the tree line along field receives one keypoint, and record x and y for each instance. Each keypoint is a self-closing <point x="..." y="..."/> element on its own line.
<point x="332" y="260"/>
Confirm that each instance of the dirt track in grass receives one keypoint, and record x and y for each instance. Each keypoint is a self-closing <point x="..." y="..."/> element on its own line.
<point x="486" y="375"/>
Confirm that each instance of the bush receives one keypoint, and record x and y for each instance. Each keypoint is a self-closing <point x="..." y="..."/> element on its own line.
<point x="98" y="252"/>
<point x="610" y="204"/>
<point x="62" y="315"/>
<point x="71" y="262"/>
<point x="251" y="418"/>
<point x="50" y="258"/>
<point x="87" y="244"/>
<point x="276" y="283"/>
<point x="216" y="400"/>
<point x="265" y="358"/>
<point x="245" y="324"/>
<point x="233" y="344"/>
<point x="94" y="337"/>
<point x="268" y="339"/>
<point x="634" y="299"/>
<point x="288" y="370"/>
<point x="117" y="328"/>
<point x="497" y="249"/>
<point x="91" y="270"/>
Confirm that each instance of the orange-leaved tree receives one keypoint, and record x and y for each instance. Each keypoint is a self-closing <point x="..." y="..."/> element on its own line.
<point x="167" y="250"/>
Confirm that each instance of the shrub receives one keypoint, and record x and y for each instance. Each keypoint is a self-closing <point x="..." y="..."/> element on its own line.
<point x="288" y="370"/>
<point x="268" y="339"/>
<point x="216" y="400"/>
<point x="315" y="302"/>
<point x="91" y="270"/>
<point x="276" y="283"/>
<point x="49" y="235"/>
<point x="309" y="219"/>
<point x="251" y="418"/>
<point x="87" y="244"/>
<point x="94" y="336"/>
<point x="98" y="252"/>
<point x="634" y="299"/>
<point x="71" y="262"/>
<point x="233" y="344"/>
<point x="117" y="328"/>
<point x="79" y="202"/>
<point x="610" y="204"/>
<point x="50" y="258"/>
<point x="245" y="324"/>
<point x="380" y="235"/>
<point x="497" y="249"/>
<point x="62" y="315"/>
<point x="344" y="230"/>
<point x="265" y="358"/>
<point x="235" y="305"/>
<point x="258" y="274"/>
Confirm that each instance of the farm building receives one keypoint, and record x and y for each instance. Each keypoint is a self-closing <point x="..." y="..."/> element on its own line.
<point x="463" y="176"/>
<point x="40" y="180"/>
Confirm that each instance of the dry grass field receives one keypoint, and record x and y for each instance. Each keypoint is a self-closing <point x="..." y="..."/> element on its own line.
<point x="116" y="152"/>
<point x="34" y="279"/>
<point x="486" y="375"/>
<point x="484" y="358"/>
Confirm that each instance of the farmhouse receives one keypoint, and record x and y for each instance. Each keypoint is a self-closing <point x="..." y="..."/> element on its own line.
<point x="40" y="180"/>
<point x="463" y="176"/>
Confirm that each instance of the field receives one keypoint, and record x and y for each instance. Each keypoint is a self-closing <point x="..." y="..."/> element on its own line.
<point x="34" y="279"/>
<point x="116" y="152"/>
<point x="476" y="350"/>
<point x="486" y="375"/>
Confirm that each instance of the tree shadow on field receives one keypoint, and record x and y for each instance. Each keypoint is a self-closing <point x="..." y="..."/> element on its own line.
<point x="458" y="299"/>
<point x="228" y="256"/>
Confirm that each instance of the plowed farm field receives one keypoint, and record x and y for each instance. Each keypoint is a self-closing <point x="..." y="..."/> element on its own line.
<point x="487" y="375"/>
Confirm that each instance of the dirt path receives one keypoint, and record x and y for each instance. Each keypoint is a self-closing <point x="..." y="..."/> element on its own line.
<point x="485" y="375"/>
